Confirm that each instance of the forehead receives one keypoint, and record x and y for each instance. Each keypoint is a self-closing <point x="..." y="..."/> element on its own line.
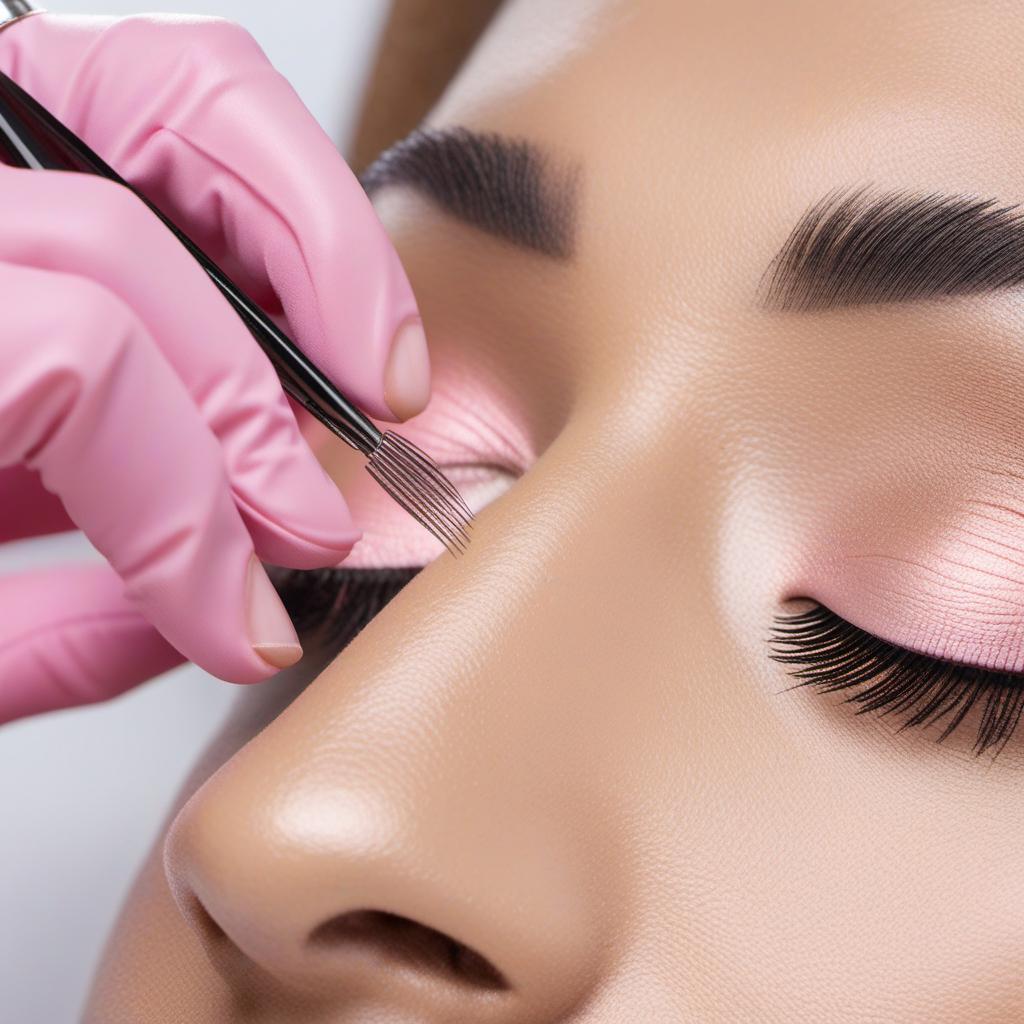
<point x="733" y="116"/>
<point x="714" y="50"/>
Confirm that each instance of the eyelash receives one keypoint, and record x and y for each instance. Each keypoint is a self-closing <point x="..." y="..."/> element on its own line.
<point x="329" y="607"/>
<point x="833" y="655"/>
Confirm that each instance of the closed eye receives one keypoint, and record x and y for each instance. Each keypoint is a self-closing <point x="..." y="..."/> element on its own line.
<point x="832" y="655"/>
<point x="329" y="607"/>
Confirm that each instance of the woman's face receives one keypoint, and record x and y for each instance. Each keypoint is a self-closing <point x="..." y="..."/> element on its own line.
<point x="560" y="777"/>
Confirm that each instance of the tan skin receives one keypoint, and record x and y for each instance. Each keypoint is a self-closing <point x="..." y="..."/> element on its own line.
<point x="422" y="45"/>
<point x="568" y="749"/>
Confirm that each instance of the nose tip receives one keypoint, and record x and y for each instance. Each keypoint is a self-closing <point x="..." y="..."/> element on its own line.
<point x="340" y="902"/>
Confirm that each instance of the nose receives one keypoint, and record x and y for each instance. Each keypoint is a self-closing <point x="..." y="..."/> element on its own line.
<point x="405" y="839"/>
<point x="366" y="895"/>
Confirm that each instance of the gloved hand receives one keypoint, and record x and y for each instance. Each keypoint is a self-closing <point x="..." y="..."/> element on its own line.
<point x="134" y="404"/>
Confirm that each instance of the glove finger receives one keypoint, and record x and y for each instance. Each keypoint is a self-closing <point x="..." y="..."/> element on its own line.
<point x="89" y="401"/>
<point x="216" y="137"/>
<point x="98" y="230"/>
<point x="68" y="636"/>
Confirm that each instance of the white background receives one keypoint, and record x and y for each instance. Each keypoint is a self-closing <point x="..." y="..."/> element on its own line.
<point x="83" y="792"/>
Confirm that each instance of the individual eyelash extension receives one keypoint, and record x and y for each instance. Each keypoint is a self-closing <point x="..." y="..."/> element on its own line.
<point x="883" y="678"/>
<point x="331" y="606"/>
<point x="859" y="245"/>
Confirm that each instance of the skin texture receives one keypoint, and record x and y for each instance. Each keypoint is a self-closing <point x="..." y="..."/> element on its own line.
<point x="568" y="748"/>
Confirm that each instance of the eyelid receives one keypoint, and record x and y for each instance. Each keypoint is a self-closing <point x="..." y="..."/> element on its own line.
<point x="390" y="539"/>
<point x="880" y="677"/>
<point x="336" y="603"/>
<point x="950" y="600"/>
<point x="480" y="483"/>
<point x="477" y="436"/>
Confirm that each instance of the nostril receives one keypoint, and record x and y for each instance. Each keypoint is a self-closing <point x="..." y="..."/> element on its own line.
<point x="398" y="939"/>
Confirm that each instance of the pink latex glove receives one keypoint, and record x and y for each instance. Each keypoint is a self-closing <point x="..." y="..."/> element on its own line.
<point x="134" y="404"/>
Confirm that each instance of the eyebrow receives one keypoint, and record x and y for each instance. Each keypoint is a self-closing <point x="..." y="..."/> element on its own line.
<point x="505" y="186"/>
<point x="861" y="245"/>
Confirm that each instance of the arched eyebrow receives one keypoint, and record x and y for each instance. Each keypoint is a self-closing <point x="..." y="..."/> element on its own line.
<point x="860" y="246"/>
<point x="506" y="186"/>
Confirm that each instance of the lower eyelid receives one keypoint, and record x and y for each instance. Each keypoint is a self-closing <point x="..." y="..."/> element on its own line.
<point x="478" y="484"/>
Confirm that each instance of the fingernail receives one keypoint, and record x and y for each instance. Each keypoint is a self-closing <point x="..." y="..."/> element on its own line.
<point x="271" y="632"/>
<point x="407" y="374"/>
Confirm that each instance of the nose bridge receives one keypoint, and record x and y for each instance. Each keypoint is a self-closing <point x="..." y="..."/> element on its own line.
<point x="437" y="776"/>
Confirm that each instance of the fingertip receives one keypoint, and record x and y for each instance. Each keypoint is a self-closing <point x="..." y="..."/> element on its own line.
<point x="279" y="656"/>
<point x="314" y="541"/>
<point x="407" y="372"/>
<point x="271" y="632"/>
